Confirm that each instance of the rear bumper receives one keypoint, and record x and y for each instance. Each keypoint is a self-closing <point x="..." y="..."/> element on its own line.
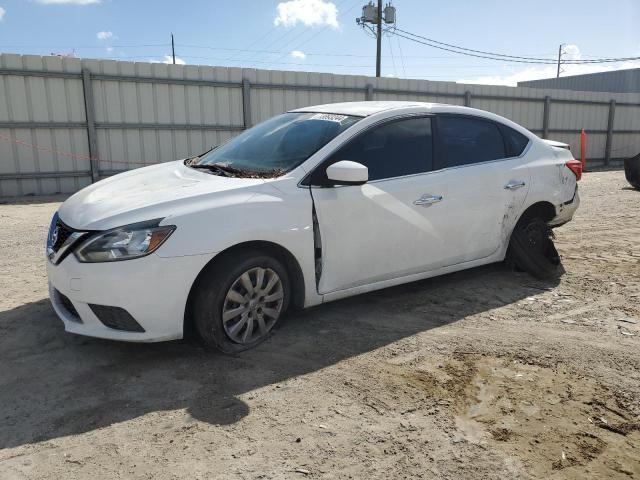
<point x="153" y="290"/>
<point x="565" y="211"/>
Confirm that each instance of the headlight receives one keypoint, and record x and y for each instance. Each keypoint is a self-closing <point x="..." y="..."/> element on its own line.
<point x="124" y="243"/>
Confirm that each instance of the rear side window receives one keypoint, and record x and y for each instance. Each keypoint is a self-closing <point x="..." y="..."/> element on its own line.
<point x="467" y="140"/>
<point x="402" y="147"/>
<point x="514" y="141"/>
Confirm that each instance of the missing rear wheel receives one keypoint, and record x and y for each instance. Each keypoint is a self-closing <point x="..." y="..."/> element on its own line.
<point x="531" y="249"/>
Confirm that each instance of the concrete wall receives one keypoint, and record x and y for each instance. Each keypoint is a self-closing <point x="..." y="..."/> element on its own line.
<point x="64" y="122"/>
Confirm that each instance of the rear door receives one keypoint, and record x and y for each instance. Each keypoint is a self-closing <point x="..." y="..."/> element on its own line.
<point x="487" y="184"/>
<point x="395" y="224"/>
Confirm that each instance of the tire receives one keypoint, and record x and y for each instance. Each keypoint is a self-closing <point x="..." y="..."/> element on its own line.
<point x="531" y="249"/>
<point x="222" y="301"/>
<point x="632" y="171"/>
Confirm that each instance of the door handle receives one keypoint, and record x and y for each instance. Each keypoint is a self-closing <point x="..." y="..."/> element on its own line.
<point x="514" y="185"/>
<point x="428" y="200"/>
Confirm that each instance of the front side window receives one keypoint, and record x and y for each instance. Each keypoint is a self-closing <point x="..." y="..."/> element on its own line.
<point x="467" y="140"/>
<point x="277" y="145"/>
<point x="395" y="149"/>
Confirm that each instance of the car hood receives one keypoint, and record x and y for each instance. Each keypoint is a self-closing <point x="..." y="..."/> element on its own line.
<point x="157" y="191"/>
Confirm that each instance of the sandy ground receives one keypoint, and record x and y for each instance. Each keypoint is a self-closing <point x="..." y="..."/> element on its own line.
<point x="481" y="374"/>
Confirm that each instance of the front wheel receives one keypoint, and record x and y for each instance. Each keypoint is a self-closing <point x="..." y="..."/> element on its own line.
<point x="531" y="249"/>
<point x="240" y="300"/>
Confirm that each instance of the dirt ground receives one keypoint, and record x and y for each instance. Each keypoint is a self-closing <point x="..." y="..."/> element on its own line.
<point x="483" y="374"/>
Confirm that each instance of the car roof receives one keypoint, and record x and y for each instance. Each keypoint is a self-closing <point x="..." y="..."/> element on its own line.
<point x="368" y="108"/>
<point x="361" y="109"/>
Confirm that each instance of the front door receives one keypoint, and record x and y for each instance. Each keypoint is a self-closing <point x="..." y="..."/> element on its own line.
<point x="395" y="224"/>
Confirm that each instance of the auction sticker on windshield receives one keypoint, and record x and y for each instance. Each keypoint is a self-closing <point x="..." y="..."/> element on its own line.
<point x="329" y="117"/>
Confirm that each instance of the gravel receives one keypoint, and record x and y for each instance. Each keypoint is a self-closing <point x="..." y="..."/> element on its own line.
<point x="480" y="374"/>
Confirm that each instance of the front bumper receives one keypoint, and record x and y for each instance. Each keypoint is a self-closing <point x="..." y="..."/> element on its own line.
<point x="152" y="289"/>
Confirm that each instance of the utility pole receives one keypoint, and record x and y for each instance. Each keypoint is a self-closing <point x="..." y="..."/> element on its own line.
<point x="375" y="15"/>
<point x="560" y="52"/>
<point x="173" y="50"/>
<point x="379" y="39"/>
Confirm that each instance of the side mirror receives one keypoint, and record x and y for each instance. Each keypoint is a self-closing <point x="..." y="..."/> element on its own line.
<point x="346" y="172"/>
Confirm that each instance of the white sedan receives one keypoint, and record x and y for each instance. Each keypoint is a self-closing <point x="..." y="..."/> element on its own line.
<point x="310" y="206"/>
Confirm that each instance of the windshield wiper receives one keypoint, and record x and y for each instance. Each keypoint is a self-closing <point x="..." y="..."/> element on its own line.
<point x="225" y="171"/>
<point x="272" y="173"/>
<point x="236" y="172"/>
<point x="191" y="160"/>
<point x="231" y="170"/>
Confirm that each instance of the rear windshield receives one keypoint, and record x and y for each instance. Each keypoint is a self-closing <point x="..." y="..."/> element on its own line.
<point x="279" y="144"/>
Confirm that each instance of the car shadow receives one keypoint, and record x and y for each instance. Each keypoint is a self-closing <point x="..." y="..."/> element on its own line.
<point x="54" y="384"/>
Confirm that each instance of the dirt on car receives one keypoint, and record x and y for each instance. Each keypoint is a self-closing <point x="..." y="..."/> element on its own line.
<point x="486" y="373"/>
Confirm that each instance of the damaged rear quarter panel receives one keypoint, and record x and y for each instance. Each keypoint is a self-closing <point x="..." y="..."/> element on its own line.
<point x="551" y="180"/>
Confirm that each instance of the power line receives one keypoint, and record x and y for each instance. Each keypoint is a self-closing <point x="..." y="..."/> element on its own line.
<point x="601" y="60"/>
<point x="280" y="38"/>
<point x="501" y="57"/>
<point x="323" y="29"/>
<point x="329" y="65"/>
<point x="472" y="50"/>
<point x="593" y="59"/>
<point x="184" y="46"/>
<point x="300" y="35"/>
<point x="268" y="45"/>
<point x="256" y="41"/>
<point x="274" y="62"/>
<point x="393" y="60"/>
<point x="404" y="72"/>
<point x="309" y="54"/>
<point x="466" y="53"/>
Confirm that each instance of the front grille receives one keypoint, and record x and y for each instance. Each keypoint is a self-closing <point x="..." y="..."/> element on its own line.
<point x="68" y="306"/>
<point x="62" y="240"/>
<point x="64" y="233"/>
<point x="116" y="318"/>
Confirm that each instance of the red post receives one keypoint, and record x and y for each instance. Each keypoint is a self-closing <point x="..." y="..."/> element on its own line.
<point x="583" y="150"/>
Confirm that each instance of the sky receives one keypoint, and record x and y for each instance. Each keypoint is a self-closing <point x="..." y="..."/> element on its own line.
<point x="322" y="35"/>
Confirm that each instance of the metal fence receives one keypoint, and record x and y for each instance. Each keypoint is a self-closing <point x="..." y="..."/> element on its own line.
<point x="67" y="122"/>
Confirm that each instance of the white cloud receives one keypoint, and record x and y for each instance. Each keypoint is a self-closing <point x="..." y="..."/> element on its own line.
<point x="571" y="52"/>
<point x="104" y="35"/>
<point x="310" y="13"/>
<point x="169" y="59"/>
<point x="535" y="72"/>
<point x="109" y="49"/>
<point x="68" y="2"/>
<point x="298" y="54"/>
<point x="2" y="12"/>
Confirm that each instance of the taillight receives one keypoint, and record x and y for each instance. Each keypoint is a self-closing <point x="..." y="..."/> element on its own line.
<point x="576" y="167"/>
